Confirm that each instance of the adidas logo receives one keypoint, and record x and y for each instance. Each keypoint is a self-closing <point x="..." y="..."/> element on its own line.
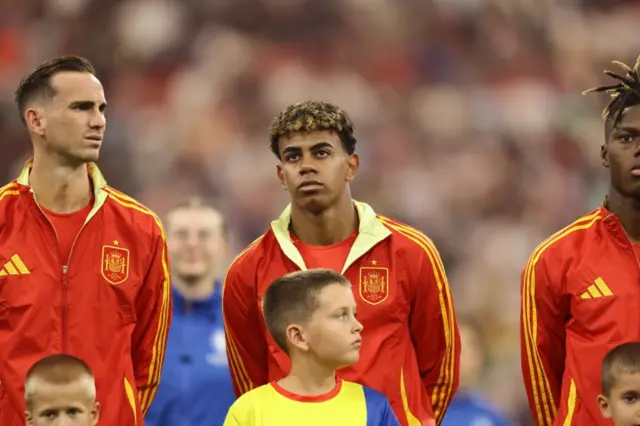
<point x="598" y="289"/>
<point x="14" y="267"/>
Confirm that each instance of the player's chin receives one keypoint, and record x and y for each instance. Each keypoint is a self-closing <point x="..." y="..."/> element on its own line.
<point x="632" y="190"/>
<point x="351" y="357"/>
<point x="314" y="203"/>
<point x="89" y="155"/>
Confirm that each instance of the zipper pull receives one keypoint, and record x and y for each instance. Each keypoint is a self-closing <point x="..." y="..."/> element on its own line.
<point x="64" y="269"/>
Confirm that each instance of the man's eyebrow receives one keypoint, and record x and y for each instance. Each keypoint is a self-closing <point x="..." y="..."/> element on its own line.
<point x="629" y="129"/>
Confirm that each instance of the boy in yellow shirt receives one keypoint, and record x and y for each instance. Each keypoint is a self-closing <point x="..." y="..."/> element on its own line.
<point x="311" y="315"/>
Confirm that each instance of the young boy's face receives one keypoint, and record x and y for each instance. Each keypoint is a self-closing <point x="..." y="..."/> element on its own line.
<point x="62" y="405"/>
<point x="623" y="403"/>
<point x="333" y="332"/>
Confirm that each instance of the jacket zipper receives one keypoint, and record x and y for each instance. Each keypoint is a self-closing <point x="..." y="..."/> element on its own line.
<point x="65" y="282"/>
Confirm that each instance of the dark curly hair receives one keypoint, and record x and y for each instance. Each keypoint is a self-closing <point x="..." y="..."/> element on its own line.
<point x="624" y="94"/>
<point x="312" y="116"/>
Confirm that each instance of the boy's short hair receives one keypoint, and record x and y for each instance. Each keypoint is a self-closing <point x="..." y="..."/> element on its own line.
<point x="292" y="298"/>
<point x="57" y="369"/>
<point x="622" y="359"/>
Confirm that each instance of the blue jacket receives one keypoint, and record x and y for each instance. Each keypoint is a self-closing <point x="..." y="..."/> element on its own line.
<point x="195" y="386"/>
<point x="469" y="409"/>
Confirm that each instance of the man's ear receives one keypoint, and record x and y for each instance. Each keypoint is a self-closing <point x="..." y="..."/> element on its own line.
<point x="34" y="117"/>
<point x="604" y="155"/>
<point x="605" y="407"/>
<point x="353" y="164"/>
<point x="281" y="177"/>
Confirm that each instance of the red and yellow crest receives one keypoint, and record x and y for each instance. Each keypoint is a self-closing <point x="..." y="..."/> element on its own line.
<point x="374" y="284"/>
<point x="115" y="264"/>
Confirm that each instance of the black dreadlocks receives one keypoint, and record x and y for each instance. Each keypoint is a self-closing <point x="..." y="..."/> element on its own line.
<point x="624" y="94"/>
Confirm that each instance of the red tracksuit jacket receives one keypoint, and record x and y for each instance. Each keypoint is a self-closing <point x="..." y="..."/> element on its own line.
<point x="411" y="343"/>
<point x="110" y="305"/>
<point x="580" y="298"/>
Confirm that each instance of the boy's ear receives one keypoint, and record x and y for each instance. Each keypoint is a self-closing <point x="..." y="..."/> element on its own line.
<point x="28" y="418"/>
<point x="95" y="414"/>
<point x="605" y="407"/>
<point x="296" y="337"/>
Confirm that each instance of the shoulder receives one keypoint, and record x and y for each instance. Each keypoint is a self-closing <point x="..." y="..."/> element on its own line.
<point x="378" y="407"/>
<point x="564" y="243"/>
<point x="408" y="240"/>
<point x="373" y="396"/>
<point x="250" y="255"/>
<point x="8" y="196"/>
<point x="137" y="215"/>
<point x="252" y="400"/>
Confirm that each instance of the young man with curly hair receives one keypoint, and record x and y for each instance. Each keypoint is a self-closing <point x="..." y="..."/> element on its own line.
<point x="411" y="345"/>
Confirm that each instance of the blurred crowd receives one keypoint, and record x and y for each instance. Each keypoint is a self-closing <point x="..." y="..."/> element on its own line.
<point x="469" y="116"/>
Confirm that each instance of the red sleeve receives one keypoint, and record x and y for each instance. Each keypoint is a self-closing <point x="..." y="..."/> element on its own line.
<point x="434" y="329"/>
<point x="153" y="310"/>
<point x="246" y="344"/>
<point x="542" y="337"/>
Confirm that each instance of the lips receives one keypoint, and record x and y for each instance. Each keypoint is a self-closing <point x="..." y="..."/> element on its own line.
<point x="310" y="184"/>
<point x="97" y="138"/>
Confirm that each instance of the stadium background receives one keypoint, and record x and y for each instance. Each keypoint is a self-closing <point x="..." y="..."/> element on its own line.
<point x="469" y="116"/>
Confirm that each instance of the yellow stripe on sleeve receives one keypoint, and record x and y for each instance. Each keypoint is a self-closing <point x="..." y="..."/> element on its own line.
<point x="238" y="370"/>
<point x="442" y="392"/>
<point x="9" y="189"/>
<point x="571" y="404"/>
<point x="160" y="339"/>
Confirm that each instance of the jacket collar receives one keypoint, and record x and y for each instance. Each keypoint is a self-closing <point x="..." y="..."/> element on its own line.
<point x="98" y="180"/>
<point x="370" y="232"/>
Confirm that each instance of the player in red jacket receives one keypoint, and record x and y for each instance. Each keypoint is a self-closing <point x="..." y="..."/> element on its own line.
<point x="83" y="267"/>
<point x="411" y="345"/>
<point x="581" y="287"/>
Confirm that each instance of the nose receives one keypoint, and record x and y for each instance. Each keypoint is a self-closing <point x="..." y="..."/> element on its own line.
<point x="307" y="165"/>
<point x="98" y="120"/>
<point x="357" y="326"/>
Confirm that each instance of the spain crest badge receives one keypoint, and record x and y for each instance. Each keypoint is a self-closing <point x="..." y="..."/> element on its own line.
<point x="115" y="264"/>
<point x="374" y="284"/>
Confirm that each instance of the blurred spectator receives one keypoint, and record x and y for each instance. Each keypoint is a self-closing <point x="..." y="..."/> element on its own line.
<point x="469" y="407"/>
<point x="195" y="387"/>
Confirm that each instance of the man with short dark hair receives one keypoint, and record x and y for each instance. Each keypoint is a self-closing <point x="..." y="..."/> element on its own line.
<point x="83" y="267"/>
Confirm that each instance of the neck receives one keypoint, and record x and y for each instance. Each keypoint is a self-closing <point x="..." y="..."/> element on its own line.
<point x="60" y="188"/>
<point x="195" y="290"/>
<point x="309" y="377"/>
<point x="331" y="226"/>
<point x="627" y="210"/>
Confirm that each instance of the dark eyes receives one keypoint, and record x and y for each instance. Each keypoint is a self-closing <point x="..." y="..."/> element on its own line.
<point x="318" y="154"/>
<point x="627" y="138"/>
